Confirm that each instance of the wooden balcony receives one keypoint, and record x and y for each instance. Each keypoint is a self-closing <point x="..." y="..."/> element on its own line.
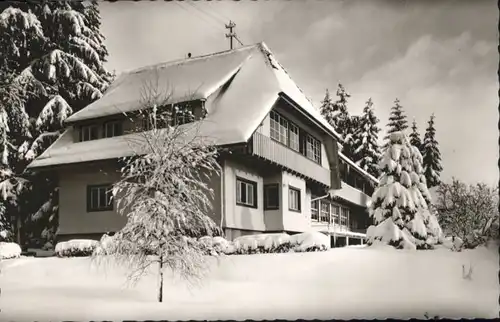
<point x="265" y="147"/>
<point x="353" y="195"/>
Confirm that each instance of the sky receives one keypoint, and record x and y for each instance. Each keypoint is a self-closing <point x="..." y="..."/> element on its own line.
<point x="437" y="57"/>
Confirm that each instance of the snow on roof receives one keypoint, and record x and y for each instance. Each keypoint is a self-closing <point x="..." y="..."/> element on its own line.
<point x="240" y="87"/>
<point x="181" y="80"/>
<point x="357" y="167"/>
<point x="65" y="151"/>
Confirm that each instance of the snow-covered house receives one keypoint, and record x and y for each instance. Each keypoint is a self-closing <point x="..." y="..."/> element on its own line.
<point x="283" y="159"/>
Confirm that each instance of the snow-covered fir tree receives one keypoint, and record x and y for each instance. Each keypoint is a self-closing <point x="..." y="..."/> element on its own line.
<point x="424" y="224"/>
<point x="55" y="55"/>
<point x="431" y="155"/>
<point x="327" y="108"/>
<point x="392" y="205"/>
<point x="397" y="120"/>
<point x="338" y="117"/>
<point x="336" y="113"/>
<point x="415" y="136"/>
<point x="351" y="126"/>
<point x="400" y="205"/>
<point x="365" y="143"/>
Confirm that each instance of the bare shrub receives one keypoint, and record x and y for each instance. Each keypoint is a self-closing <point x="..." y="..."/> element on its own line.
<point x="469" y="212"/>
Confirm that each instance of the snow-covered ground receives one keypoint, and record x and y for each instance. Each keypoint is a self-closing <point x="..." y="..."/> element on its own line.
<point x="342" y="283"/>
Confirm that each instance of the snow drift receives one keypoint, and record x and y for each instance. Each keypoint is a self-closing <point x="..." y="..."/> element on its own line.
<point x="342" y="283"/>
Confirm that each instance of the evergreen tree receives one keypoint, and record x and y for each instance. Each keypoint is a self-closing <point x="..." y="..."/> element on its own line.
<point x="327" y="108"/>
<point x="431" y="155"/>
<point x="415" y="136"/>
<point x="340" y="118"/>
<point x="54" y="56"/>
<point x="397" y="120"/>
<point x="366" y="149"/>
<point x="350" y="136"/>
<point x="336" y="113"/>
<point x="392" y="205"/>
<point x="424" y="226"/>
<point x="401" y="203"/>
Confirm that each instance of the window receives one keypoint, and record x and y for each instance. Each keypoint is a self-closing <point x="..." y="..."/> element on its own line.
<point x="99" y="198"/>
<point x="325" y="211"/>
<point x="271" y="197"/>
<point x="335" y="213"/>
<point x="314" y="210"/>
<point x="246" y="193"/>
<point x="88" y="132"/>
<point x="313" y="149"/>
<point x="112" y="129"/>
<point x="279" y="128"/>
<point x="344" y="214"/>
<point x="183" y="114"/>
<point x="294" y="137"/>
<point x="293" y="199"/>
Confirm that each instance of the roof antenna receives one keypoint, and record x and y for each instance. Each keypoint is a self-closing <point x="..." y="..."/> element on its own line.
<point x="231" y="34"/>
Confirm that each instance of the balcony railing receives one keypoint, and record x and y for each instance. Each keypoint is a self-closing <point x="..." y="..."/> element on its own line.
<point x="267" y="148"/>
<point x="353" y="195"/>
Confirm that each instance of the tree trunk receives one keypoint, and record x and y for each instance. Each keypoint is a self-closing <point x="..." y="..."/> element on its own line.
<point x="160" y="291"/>
<point x="18" y="231"/>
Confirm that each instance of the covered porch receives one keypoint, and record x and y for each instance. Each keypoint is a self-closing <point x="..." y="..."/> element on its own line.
<point x="345" y="224"/>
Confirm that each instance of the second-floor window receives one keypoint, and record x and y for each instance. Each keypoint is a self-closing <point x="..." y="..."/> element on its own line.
<point x="113" y="128"/>
<point x="88" y="132"/>
<point x="279" y="128"/>
<point x="289" y="134"/>
<point x="313" y="148"/>
<point x="294" y="137"/>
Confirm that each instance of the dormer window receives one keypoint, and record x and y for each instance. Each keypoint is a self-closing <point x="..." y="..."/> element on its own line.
<point x="183" y="114"/>
<point x="88" y="133"/>
<point x="113" y="128"/>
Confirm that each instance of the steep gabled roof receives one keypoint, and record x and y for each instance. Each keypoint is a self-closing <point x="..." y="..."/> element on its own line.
<point x="240" y="87"/>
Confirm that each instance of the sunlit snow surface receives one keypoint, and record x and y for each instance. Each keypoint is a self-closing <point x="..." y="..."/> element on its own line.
<point x="342" y="283"/>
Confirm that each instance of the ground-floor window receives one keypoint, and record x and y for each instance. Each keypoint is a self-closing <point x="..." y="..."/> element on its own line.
<point x="325" y="211"/>
<point x="344" y="214"/>
<point x="293" y="199"/>
<point x="99" y="198"/>
<point x="314" y="210"/>
<point x="329" y="212"/>
<point x="246" y="193"/>
<point x="271" y="196"/>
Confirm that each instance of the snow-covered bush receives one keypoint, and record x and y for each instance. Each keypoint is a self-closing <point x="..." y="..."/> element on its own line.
<point x="310" y="242"/>
<point x="469" y="212"/>
<point x="217" y="245"/>
<point x="281" y="243"/>
<point x="9" y="250"/>
<point x="76" y="248"/>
